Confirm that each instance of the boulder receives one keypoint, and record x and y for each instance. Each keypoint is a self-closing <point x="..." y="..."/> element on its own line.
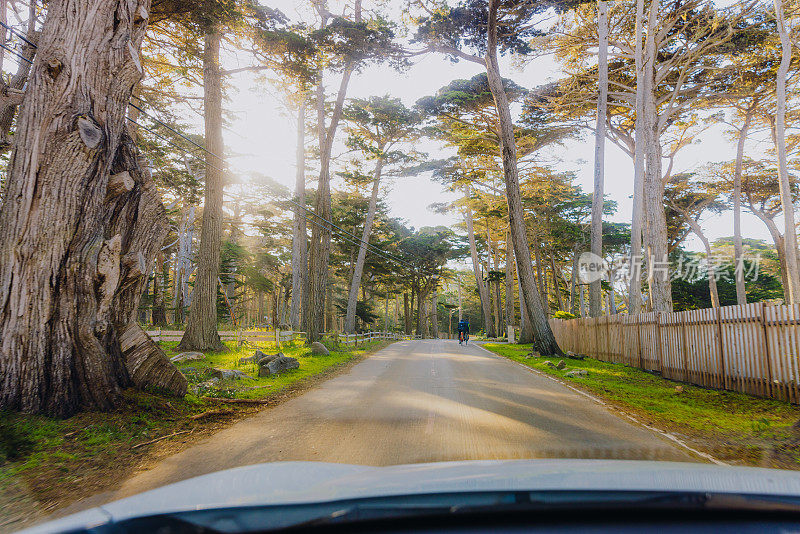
<point x="577" y="372"/>
<point x="561" y="364"/>
<point x="278" y="365"/>
<point x="187" y="357"/>
<point x="573" y="356"/>
<point x="255" y="358"/>
<point x="228" y="374"/>
<point x="318" y="349"/>
<point x="549" y="363"/>
<point x="533" y="354"/>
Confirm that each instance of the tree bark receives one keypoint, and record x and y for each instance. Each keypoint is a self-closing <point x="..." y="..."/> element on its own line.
<point x="544" y="340"/>
<point x="510" y="308"/>
<point x="635" y="291"/>
<point x="778" y="240"/>
<point x="358" y="269"/>
<point x="655" y="227"/>
<point x="483" y="292"/>
<point x="13" y="91"/>
<point x="738" y="247"/>
<point x="320" y="249"/>
<point x="595" y="290"/>
<point x="406" y="314"/>
<point x="69" y="291"/>
<point x="201" y="329"/>
<point x="790" y="229"/>
<point x="712" y="275"/>
<point x="299" y="245"/>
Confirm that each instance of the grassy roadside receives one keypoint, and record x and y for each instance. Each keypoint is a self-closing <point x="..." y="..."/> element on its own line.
<point x="48" y="463"/>
<point x="733" y="427"/>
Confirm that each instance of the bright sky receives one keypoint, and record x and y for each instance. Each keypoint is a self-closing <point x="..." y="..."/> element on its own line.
<point x="263" y="131"/>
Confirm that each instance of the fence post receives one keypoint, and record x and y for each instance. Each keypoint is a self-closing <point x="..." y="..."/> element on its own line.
<point x="685" y="349"/>
<point x="658" y="342"/>
<point x="639" y="340"/>
<point x="721" y="351"/>
<point x="767" y="354"/>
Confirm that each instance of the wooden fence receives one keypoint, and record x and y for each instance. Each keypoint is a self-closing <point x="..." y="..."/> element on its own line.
<point x="753" y="348"/>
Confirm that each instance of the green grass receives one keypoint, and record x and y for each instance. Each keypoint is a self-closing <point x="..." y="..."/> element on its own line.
<point x="255" y="387"/>
<point x="62" y="460"/>
<point x="732" y="426"/>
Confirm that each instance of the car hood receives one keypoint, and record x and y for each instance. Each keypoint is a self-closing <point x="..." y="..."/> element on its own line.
<point x="282" y="483"/>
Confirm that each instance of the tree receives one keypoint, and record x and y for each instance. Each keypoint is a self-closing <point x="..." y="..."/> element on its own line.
<point x="375" y="127"/>
<point x="691" y="199"/>
<point x="595" y="291"/>
<point x="70" y="290"/>
<point x="201" y="330"/>
<point x="791" y="252"/>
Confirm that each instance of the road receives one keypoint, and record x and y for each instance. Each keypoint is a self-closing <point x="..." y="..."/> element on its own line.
<point x="421" y="401"/>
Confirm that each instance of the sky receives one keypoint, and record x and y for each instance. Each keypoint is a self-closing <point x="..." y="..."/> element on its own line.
<point x="262" y="134"/>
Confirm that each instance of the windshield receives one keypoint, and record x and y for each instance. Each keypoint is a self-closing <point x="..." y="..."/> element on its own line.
<point x="356" y="234"/>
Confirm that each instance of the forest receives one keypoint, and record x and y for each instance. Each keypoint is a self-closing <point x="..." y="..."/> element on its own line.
<point x="123" y="209"/>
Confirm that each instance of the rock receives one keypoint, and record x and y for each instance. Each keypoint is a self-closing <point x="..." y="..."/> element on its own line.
<point x="561" y="364"/>
<point x="228" y="374"/>
<point x="678" y="389"/>
<point x="533" y="354"/>
<point x="318" y="349"/>
<point x="549" y="363"/>
<point x="577" y="372"/>
<point x="278" y="365"/>
<point x="187" y="357"/>
<point x="255" y="358"/>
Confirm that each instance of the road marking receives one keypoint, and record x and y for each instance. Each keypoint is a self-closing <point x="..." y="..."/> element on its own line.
<point x="611" y="408"/>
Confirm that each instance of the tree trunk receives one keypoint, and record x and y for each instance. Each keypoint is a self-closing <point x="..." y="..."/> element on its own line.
<point x="635" y="291"/>
<point x="422" y="318"/>
<point x="655" y="227"/>
<point x="159" y="285"/>
<point x="358" y="270"/>
<point x="712" y="275"/>
<point x="201" y="329"/>
<point x="434" y="315"/>
<point x="483" y="292"/>
<point x="497" y="304"/>
<point x="595" y="290"/>
<point x="573" y="288"/>
<point x="69" y="291"/>
<point x="556" y="286"/>
<point x="738" y="248"/>
<point x="299" y="245"/>
<point x="790" y="229"/>
<point x="510" y="308"/>
<point x="778" y="240"/>
<point x="406" y="314"/>
<point x="544" y="341"/>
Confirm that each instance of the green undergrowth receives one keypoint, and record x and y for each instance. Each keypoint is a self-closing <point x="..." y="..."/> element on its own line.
<point x="731" y="426"/>
<point x="54" y="462"/>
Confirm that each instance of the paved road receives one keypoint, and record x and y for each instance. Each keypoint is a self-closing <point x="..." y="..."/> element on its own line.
<point x="421" y="401"/>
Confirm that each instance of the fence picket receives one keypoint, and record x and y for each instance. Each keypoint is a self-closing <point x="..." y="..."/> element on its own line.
<point x="753" y="348"/>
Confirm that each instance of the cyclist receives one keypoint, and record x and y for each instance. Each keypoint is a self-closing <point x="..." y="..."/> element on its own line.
<point x="463" y="331"/>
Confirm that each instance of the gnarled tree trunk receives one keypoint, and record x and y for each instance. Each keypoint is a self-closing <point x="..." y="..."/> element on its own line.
<point x="201" y="329"/>
<point x="69" y="291"/>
